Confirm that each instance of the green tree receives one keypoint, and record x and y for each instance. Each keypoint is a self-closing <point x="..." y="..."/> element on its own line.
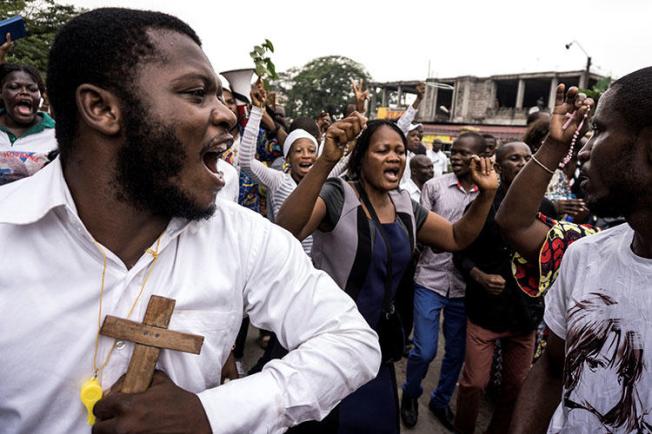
<point x="323" y="84"/>
<point x="43" y="18"/>
<point x="598" y="89"/>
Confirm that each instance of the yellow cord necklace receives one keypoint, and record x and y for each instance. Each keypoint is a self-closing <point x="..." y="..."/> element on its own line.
<point x="91" y="391"/>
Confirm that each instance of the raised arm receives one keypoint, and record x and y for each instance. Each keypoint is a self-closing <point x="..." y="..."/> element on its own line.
<point x="303" y="211"/>
<point x="517" y="213"/>
<point x="267" y="102"/>
<point x="5" y="48"/>
<point x="270" y="178"/>
<point x="332" y="349"/>
<point x="541" y="392"/>
<point x="360" y="95"/>
<point x="440" y="234"/>
<point x="340" y="167"/>
<point x="408" y="116"/>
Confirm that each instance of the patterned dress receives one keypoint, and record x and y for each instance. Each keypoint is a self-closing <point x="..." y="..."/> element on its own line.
<point x="536" y="278"/>
<point x="253" y="195"/>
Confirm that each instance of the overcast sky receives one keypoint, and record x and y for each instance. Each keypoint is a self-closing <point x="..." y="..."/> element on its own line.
<point x="398" y="40"/>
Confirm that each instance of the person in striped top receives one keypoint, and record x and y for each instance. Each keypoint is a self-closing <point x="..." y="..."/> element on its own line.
<point x="299" y="150"/>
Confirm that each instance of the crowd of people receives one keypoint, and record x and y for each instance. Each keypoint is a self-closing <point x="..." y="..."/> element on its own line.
<point x="531" y="257"/>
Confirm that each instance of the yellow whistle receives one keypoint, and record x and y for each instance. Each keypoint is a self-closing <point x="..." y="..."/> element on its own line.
<point x="90" y="393"/>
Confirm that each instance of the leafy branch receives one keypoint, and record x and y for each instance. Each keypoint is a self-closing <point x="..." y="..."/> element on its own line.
<point x="264" y="66"/>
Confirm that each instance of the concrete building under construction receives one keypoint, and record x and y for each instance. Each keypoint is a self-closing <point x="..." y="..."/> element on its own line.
<point x="497" y="105"/>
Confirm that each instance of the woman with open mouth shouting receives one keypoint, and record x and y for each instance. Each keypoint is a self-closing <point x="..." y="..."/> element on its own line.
<point x="365" y="232"/>
<point x="299" y="150"/>
<point x="26" y="135"/>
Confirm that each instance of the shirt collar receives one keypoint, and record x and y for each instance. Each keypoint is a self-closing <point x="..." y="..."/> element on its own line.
<point x="28" y="200"/>
<point x="46" y="122"/>
<point x="454" y="182"/>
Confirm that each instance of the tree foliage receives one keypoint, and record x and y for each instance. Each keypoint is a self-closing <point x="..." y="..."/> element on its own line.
<point x="324" y="84"/>
<point x="43" y="18"/>
<point x="598" y="88"/>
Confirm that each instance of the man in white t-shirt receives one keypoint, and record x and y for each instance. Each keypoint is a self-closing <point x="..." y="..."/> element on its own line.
<point x="438" y="158"/>
<point x="595" y="373"/>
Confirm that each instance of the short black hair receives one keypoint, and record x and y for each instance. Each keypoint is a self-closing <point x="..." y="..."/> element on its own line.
<point x="103" y="47"/>
<point x="502" y="150"/>
<point x="535" y="116"/>
<point x="419" y="157"/>
<point x="481" y="142"/>
<point x="362" y="145"/>
<point x="536" y="132"/>
<point x="632" y="98"/>
<point x="8" y="68"/>
<point x="307" y="124"/>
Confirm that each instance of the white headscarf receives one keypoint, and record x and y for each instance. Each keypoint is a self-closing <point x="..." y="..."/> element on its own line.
<point x="294" y="136"/>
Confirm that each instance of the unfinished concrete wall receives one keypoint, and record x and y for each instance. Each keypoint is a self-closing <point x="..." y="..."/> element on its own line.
<point x="474" y="99"/>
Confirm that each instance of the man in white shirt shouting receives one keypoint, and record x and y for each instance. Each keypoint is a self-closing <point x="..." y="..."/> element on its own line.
<point x="129" y="210"/>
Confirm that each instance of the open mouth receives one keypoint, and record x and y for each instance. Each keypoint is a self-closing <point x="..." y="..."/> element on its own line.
<point x="210" y="161"/>
<point x="212" y="153"/>
<point x="24" y="107"/>
<point x="391" y="174"/>
<point x="305" y="166"/>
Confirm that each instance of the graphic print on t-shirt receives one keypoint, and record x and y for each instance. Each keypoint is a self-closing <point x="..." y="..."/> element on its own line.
<point x="15" y="165"/>
<point x="604" y="365"/>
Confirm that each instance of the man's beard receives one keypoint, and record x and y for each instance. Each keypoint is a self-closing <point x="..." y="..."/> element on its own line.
<point x="618" y="203"/>
<point x="624" y="191"/>
<point x="148" y="161"/>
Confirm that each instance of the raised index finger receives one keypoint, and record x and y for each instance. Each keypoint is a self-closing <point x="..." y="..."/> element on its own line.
<point x="561" y="93"/>
<point x="354" y="84"/>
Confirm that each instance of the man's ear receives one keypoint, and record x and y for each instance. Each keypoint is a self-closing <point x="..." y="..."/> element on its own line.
<point x="99" y="109"/>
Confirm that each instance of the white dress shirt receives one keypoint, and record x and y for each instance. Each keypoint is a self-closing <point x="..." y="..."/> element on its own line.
<point x="413" y="189"/>
<point x="235" y="263"/>
<point x="439" y="162"/>
<point x="231" y="188"/>
<point x="404" y="123"/>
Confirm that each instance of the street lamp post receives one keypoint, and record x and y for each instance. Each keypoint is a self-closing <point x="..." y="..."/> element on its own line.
<point x="587" y="70"/>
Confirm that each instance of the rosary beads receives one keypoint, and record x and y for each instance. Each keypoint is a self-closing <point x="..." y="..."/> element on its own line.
<point x="576" y="135"/>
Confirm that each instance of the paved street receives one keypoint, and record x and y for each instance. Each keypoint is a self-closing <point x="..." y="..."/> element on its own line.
<point x="427" y="423"/>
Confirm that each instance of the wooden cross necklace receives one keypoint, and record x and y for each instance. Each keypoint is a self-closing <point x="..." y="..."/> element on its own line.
<point x="149" y="338"/>
<point x="91" y="390"/>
